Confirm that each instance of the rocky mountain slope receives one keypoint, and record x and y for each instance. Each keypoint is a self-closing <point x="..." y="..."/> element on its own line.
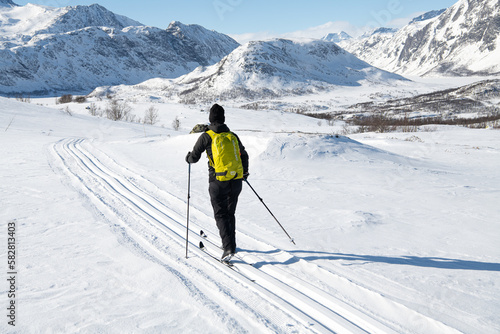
<point x="367" y="45"/>
<point x="461" y="41"/>
<point x="77" y="48"/>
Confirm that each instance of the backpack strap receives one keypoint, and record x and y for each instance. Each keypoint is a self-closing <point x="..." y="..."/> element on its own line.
<point x="211" y="133"/>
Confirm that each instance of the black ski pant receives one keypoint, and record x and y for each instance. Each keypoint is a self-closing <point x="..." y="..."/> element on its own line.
<point x="224" y="198"/>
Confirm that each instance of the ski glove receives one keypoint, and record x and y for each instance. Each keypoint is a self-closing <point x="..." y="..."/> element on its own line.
<point x="245" y="176"/>
<point x="188" y="156"/>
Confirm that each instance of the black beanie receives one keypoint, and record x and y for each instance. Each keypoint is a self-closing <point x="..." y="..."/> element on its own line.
<point x="216" y="114"/>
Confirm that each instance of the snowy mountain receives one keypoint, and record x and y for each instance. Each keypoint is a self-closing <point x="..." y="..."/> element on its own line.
<point x="463" y="40"/>
<point x="337" y="37"/>
<point x="78" y="48"/>
<point x="273" y="69"/>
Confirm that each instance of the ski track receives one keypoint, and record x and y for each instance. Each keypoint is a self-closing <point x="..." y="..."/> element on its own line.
<point x="299" y="297"/>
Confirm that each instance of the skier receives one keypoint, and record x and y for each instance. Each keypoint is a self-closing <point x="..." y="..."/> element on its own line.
<point x="224" y="187"/>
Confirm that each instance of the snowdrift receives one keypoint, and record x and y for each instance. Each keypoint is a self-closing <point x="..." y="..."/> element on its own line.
<point x="325" y="148"/>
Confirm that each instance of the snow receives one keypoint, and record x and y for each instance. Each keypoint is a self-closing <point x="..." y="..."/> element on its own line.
<point x="395" y="232"/>
<point x="26" y="20"/>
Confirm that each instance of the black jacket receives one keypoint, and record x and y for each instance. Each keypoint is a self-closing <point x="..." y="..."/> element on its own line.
<point x="204" y="143"/>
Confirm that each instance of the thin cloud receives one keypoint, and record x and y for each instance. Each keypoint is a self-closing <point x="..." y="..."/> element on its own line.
<point x="310" y="33"/>
<point x="320" y="31"/>
<point x="253" y="36"/>
<point x="323" y="30"/>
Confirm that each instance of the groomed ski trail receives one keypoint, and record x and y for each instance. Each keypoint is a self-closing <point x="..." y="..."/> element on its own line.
<point x="297" y="305"/>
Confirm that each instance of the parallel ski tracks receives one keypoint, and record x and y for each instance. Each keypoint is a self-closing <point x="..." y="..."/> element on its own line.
<point x="316" y="309"/>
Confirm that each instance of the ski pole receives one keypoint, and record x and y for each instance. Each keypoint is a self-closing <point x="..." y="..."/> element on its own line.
<point x="262" y="201"/>
<point x="189" y="196"/>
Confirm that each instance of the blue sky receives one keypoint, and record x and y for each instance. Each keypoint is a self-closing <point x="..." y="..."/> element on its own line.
<point x="247" y="19"/>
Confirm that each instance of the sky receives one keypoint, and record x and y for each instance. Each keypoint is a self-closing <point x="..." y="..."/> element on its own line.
<point x="261" y="19"/>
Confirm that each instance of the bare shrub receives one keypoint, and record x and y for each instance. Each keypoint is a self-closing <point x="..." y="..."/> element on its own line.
<point x="151" y="116"/>
<point x="66" y="99"/>
<point x="408" y="128"/>
<point x="346" y="130"/>
<point x="21" y="98"/>
<point x="93" y="110"/>
<point x="414" y="139"/>
<point x="80" y="99"/>
<point x="130" y="118"/>
<point x="117" y="111"/>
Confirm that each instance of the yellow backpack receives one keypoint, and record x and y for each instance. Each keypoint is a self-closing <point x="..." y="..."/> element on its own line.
<point x="226" y="156"/>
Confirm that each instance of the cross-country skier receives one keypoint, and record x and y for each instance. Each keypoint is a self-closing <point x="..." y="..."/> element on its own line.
<point x="224" y="185"/>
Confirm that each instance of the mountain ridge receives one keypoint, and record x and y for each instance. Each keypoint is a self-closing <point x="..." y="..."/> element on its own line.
<point x="77" y="48"/>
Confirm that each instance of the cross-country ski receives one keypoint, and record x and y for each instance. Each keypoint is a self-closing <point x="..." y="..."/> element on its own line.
<point x="227" y="262"/>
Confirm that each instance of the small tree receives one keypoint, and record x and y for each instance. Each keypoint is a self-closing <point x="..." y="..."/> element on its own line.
<point x="151" y="116"/>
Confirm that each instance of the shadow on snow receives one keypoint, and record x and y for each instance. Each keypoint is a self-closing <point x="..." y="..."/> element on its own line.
<point x="426" y="262"/>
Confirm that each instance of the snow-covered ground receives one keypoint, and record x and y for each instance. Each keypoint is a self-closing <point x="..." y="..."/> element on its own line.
<point x="394" y="232"/>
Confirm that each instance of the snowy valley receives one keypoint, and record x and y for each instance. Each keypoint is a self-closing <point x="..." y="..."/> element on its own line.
<point x="395" y="233"/>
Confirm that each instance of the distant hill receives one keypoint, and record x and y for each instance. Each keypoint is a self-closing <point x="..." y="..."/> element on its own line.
<point x="270" y="69"/>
